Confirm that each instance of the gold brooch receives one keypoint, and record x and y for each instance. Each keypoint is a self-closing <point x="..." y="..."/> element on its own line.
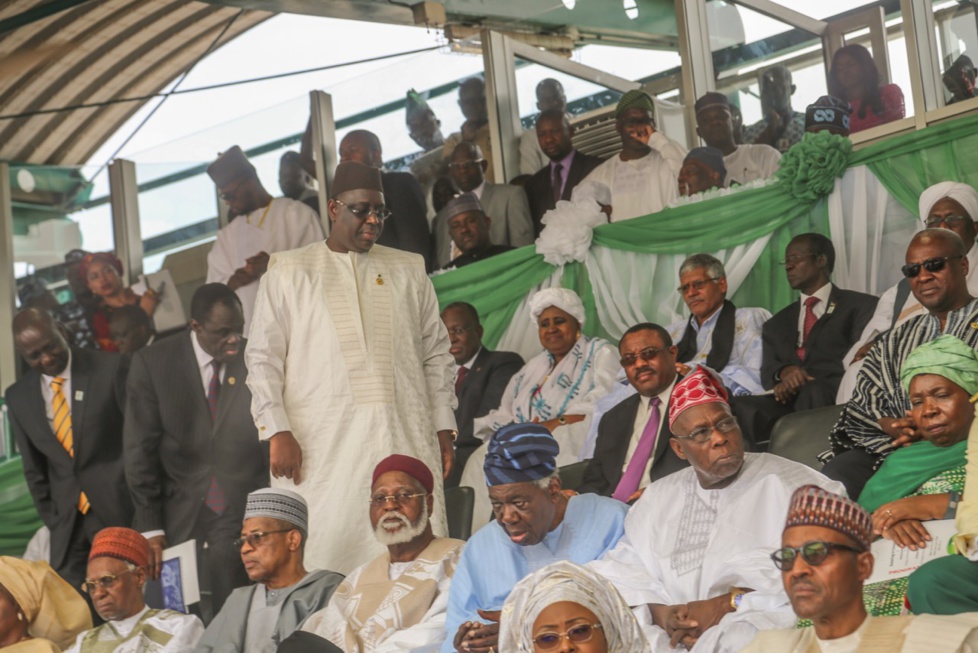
<point x="230" y="380"/>
<point x="974" y="325"/>
<point x="380" y="280"/>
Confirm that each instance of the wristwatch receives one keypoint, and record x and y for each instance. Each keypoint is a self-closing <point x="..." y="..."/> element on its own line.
<point x="736" y="596"/>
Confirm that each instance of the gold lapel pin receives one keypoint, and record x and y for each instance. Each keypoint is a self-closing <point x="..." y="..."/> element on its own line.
<point x="380" y="280"/>
<point x="230" y="380"/>
<point x="974" y="325"/>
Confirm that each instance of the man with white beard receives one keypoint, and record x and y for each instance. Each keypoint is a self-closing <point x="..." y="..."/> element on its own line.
<point x="397" y="601"/>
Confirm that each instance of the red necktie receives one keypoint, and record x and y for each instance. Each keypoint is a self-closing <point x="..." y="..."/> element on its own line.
<point x="462" y="371"/>
<point x="215" y="499"/>
<point x="810" y="321"/>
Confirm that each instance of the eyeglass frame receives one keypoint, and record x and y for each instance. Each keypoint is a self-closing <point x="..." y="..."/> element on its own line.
<point x="932" y="265"/>
<point x="105" y="581"/>
<point x="799" y="552"/>
<point x="258" y="536"/>
<point x="696" y="285"/>
<point x="950" y="221"/>
<point x="704" y="433"/>
<point x="382" y="215"/>
<point x="458" y="165"/>
<point x="566" y="635"/>
<point x="797" y="258"/>
<point x="627" y="360"/>
<point x="400" y="499"/>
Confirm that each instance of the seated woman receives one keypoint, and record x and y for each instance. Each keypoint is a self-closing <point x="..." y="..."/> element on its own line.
<point x="101" y="272"/>
<point x="565" y="601"/>
<point x="924" y="480"/>
<point x="557" y="388"/>
<point x="854" y="77"/>
<point x="39" y="611"/>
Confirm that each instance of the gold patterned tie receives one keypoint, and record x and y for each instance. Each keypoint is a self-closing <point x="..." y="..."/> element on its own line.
<point x="62" y="430"/>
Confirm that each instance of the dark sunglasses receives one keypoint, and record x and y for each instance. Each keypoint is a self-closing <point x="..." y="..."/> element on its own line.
<point x="647" y="354"/>
<point x="936" y="264"/>
<point x="813" y="553"/>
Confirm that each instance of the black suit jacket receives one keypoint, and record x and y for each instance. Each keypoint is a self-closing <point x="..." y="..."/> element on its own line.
<point x="55" y="478"/>
<point x="172" y="448"/>
<point x="482" y="390"/>
<point x="407" y="229"/>
<point x="539" y="188"/>
<point x="832" y="336"/>
<point x="604" y="470"/>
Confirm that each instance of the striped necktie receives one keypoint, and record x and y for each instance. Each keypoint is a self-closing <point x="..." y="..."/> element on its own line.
<point x="61" y="412"/>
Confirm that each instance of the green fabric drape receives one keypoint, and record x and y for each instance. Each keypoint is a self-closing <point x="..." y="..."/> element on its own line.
<point x="907" y="468"/>
<point x="17" y="513"/>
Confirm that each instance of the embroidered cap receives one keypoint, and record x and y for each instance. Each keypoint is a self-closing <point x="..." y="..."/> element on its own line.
<point x="828" y="112"/>
<point x="228" y="167"/>
<point x="410" y="466"/>
<point x="710" y="157"/>
<point x="463" y="203"/>
<point x="278" y="503"/>
<point x="518" y="453"/>
<point x="712" y="100"/>
<point x="122" y="543"/>
<point x="702" y="386"/>
<point x="636" y="98"/>
<point x="814" y="506"/>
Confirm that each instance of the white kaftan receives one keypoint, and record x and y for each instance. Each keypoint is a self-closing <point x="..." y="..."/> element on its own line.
<point x="751" y="162"/>
<point x="642" y="186"/>
<point x="350" y="355"/>
<point x="288" y="224"/>
<point x="147" y="631"/>
<point x="683" y="543"/>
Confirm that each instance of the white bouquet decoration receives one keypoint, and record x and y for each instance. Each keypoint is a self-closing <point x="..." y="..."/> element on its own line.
<point x="567" y="228"/>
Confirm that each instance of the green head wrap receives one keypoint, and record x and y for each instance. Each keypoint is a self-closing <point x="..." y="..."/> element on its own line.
<point x="946" y="356"/>
<point x="635" y="98"/>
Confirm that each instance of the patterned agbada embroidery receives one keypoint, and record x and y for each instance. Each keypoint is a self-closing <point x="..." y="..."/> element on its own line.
<point x="695" y="526"/>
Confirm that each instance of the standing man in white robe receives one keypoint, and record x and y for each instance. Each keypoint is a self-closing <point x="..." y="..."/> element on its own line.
<point x="349" y="362"/>
<point x="694" y="561"/>
<point x="260" y="225"/>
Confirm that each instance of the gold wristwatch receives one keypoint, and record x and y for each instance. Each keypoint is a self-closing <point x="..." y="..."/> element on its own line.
<point x="736" y="596"/>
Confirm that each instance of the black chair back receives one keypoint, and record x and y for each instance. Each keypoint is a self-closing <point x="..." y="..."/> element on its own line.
<point x="803" y="435"/>
<point x="459" y="503"/>
<point x="572" y="476"/>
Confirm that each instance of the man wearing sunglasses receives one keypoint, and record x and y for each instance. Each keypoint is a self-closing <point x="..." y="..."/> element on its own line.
<point x="114" y="581"/>
<point x="272" y="544"/>
<point x="693" y="563"/>
<point x="947" y="205"/>
<point x="824" y="560"/>
<point x="875" y="420"/>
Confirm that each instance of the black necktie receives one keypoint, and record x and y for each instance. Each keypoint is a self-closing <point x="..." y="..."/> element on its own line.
<point x="558" y="181"/>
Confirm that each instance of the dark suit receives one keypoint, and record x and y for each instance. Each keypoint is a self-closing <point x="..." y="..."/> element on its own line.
<point x="480" y="393"/>
<point x="539" y="188"/>
<point x="407" y="228"/>
<point x="846" y="314"/>
<point x="604" y="470"/>
<point x="509" y="211"/>
<point x="173" y="449"/>
<point x="55" y="478"/>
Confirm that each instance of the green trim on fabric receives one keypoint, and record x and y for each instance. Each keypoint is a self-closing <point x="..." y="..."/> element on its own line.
<point x="17" y="513"/>
<point x="907" y="468"/>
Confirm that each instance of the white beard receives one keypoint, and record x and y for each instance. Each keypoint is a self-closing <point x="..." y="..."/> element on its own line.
<point x="406" y="533"/>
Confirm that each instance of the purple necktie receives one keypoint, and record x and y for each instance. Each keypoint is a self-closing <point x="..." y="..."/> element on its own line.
<point x="215" y="499"/>
<point x="632" y="477"/>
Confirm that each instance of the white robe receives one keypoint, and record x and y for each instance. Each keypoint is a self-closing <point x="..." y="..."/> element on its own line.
<point x="642" y="186"/>
<point x="683" y="543"/>
<point x="165" y="631"/>
<point x="289" y="224"/>
<point x="751" y="162"/>
<point x="350" y="355"/>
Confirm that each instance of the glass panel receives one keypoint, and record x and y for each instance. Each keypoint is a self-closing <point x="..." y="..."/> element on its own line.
<point x="957" y="48"/>
<point x="825" y="8"/>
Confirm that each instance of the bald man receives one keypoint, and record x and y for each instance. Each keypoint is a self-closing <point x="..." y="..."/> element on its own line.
<point x="66" y="415"/>
<point x="550" y="97"/>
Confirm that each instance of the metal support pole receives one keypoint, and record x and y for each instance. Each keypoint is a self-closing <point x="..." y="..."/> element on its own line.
<point x="125" y="219"/>
<point x="925" y="78"/>
<point x="697" y="58"/>
<point x="8" y="284"/>
<point x="324" y="147"/>
<point x="505" y="128"/>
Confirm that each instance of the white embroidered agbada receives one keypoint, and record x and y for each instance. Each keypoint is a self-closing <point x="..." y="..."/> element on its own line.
<point x="683" y="543"/>
<point x="147" y="631"/>
<point x="385" y="607"/>
<point x="348" y="352"/>
<point x="281" y="225"/>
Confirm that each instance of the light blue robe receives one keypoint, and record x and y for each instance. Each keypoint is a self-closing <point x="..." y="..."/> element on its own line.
<point x="491" y="564"/>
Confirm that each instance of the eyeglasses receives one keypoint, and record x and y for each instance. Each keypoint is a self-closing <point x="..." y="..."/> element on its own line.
<point x="401" y="499"/>
<point x="363" y="214"/>
<point x="459" y="165"/>
<point x="254" y="540"/>
<point x="105" y="582"/>
<point x="813" y="553"/>
<point x="795" y="259"/>
<point x="694" y="285"/>
<point x="578" y="635"/>
<point x="458" y="331"/>
<point x="704" y="433"/>
<point x="949" y="221"/>
<point x="647" y="354"/>
<point x="936" y="264"/>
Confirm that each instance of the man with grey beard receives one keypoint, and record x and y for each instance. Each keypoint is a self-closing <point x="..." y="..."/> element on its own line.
<point x="397" y="601"/>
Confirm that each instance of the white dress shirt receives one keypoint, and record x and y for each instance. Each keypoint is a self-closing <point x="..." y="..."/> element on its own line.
<point x="204" y="367"/>
<point x="818" y="309"/>
<point x="467" y="364"/>
<point x="642" y="417"/>
<point x="48" y="392"/>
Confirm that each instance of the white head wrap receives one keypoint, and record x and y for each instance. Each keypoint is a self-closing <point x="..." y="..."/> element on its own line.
<point x="564" y="299"/>
<point x="963" y="194"/>
<point x="566" y="581"/>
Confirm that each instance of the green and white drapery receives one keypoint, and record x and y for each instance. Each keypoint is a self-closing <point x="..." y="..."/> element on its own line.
<point x="630" y="273"/>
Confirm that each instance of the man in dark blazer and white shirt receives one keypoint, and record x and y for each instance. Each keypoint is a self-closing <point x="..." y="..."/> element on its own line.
<point x="504" y="203"/>
<point x="804" y="343"/>
<point x="78" y="484"/>
<point x="567" y="166"/>
<point x="649" y="360"/>
<point x="480" y="386"/>
<point x="192" y="451"/>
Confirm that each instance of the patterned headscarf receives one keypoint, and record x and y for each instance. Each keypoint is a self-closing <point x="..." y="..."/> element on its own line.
<point x="702" y="386"/>
<point x="105" y="257"/>
<point x="635" y="98"/>
<point x="566" y="581"/>
<point x="963" y="194"/>
<point x="945" y="356"/>
<point x="53" y="609"/>
<point x="519" y="453"/>
<point x="813" y="506"/>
